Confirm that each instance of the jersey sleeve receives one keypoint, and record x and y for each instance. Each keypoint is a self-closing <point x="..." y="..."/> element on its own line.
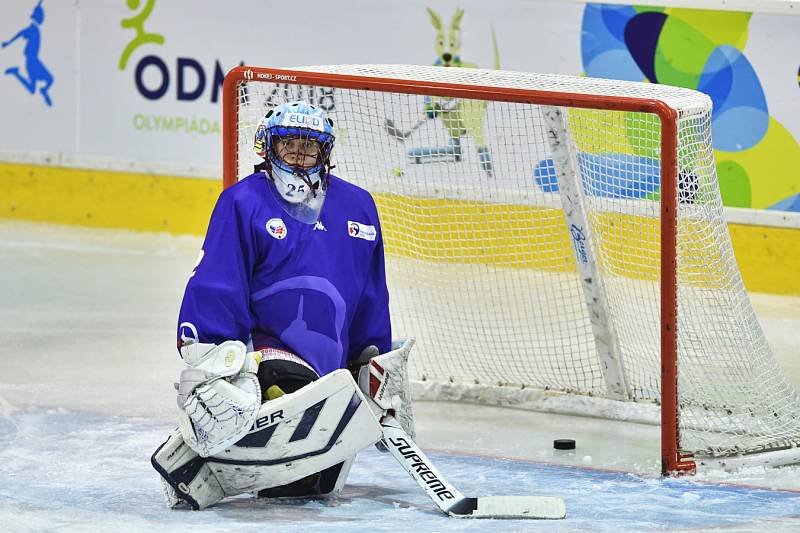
<point x="371" y="324"/>
<point x="217" y="296"/>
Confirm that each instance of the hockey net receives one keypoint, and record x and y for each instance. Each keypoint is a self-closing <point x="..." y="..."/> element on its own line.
<point x="550" y="233"/>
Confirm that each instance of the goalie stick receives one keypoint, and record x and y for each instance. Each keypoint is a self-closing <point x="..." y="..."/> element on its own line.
<point x="398" y="134"/>
<point x="449" y="500"/>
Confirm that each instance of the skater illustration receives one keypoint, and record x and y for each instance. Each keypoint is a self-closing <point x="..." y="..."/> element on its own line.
<point x="35" y="69"/>
<point x="461" y="118"/>
<point x="137" y="23"/>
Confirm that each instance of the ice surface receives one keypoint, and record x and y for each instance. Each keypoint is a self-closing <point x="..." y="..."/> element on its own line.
<point x="70" y="471"/>
<point x="87" y="363"/>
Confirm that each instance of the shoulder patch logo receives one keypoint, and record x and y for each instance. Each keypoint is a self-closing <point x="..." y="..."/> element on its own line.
<point x="276" y="228"/>
<point x="361" y="231"/>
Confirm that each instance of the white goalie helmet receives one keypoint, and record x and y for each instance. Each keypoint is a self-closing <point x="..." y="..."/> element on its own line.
<point x="296" y="139"/>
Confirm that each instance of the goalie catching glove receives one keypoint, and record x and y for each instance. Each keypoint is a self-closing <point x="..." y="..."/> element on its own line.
<point x="218" y="395"/>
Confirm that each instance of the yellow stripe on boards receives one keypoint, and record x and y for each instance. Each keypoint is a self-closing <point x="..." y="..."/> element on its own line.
<point x="769" y="258"/>
<point x="426" y="229"/>
<point x="107" y="199"/>
<point x="515" y="236"/>
<point x="457" y="231"/>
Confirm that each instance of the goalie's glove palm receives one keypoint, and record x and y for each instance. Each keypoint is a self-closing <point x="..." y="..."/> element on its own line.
<point x="222" y="406"/>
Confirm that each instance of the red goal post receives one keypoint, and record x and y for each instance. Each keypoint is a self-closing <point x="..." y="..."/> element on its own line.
<point x="497" y="88"/>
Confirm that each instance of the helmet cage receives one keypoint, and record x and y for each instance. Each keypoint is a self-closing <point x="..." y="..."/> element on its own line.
<point x="315" y="175"/>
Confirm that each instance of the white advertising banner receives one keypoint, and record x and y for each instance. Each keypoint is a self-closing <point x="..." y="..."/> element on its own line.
<point x="136" y="84"/>
<point x="39" y="88"/>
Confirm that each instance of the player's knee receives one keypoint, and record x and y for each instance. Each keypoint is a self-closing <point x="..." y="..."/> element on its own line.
<point x="283" y="373"/>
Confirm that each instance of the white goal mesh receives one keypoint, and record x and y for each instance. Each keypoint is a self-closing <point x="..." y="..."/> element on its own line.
<point x="512" y="279"/>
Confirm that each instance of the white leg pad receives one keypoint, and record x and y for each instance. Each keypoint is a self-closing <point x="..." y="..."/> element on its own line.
<point x="299" y="434"/>
<point x="185" y="475"/>
<point x="324" y="423"/>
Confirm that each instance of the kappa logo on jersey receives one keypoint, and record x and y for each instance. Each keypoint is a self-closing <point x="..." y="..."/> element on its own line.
<point x="361" y="231"/>
<point x="276" y="228"/>
<point x="319" y="226"/>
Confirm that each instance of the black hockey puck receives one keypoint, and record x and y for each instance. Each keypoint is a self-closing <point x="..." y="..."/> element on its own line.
<point x="564" y="444"/>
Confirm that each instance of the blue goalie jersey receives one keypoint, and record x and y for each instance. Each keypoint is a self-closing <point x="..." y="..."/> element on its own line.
<point x="317" y="290"/>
